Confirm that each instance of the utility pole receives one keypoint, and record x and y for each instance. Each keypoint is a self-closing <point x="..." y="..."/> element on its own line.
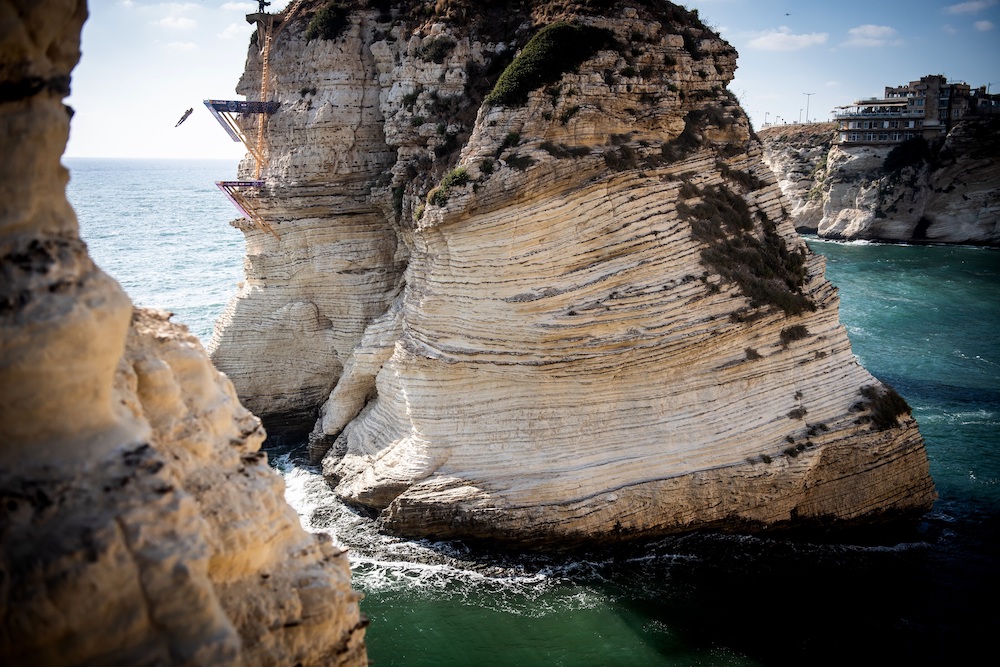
<point x="808" y="95"/>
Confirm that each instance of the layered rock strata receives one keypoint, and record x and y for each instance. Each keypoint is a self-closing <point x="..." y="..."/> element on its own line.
<point x="139" y="522"/>
<point x="581" y="313"/>
<point x="944" y="192"/>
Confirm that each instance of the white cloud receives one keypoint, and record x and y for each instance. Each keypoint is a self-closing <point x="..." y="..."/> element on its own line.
<point x="177" y="23"/>
<point x="970" y="7"/>
<point x="950" y="29"/>
<point x="832" y="84"/>
<point x="983" y="26"/>
<point x="173" y="8"/>
<point x="235" y="31"/>
<point x="869" y="35"/>
<point x="247" y="7"/>
<point x="783" y="39"/>
<point x="125" y="3"/>
<point x="185" y="47"/>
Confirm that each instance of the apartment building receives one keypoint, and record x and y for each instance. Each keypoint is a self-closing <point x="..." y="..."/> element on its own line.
<point x="926" y="108"/>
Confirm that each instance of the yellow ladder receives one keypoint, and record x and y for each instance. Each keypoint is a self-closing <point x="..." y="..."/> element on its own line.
<point x="262" y="119"/>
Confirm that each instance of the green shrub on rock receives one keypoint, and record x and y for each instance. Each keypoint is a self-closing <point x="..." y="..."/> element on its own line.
<point x="329" y="22"/>
<point x="556" y="49"/>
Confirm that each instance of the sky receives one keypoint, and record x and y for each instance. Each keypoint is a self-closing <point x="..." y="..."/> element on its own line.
<point x="146" y="62"/>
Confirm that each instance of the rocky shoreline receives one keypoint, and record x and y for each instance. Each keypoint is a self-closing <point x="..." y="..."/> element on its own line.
<point x="939" y="193"/>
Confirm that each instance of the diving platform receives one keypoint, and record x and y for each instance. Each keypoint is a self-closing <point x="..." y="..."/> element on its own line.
<point x="225" y="112"/>
<point x="235" y="191"/>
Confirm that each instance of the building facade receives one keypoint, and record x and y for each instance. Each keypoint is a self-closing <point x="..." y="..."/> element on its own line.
<point x="926" y="108"/>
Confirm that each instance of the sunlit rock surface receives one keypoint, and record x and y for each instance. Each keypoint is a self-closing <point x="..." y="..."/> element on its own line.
<point x="139" y="522"/>
<point x="584" y="318"/>
<point x="949" y="194"/>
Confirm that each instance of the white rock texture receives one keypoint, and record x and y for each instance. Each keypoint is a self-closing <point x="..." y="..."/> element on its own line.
<point x="843" y="192"/>
<point x="139" y="522"/>
<point x="604" y="328"/>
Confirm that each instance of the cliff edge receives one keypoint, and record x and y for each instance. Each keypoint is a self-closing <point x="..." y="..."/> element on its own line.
<point x="535" y="284"/>
<point x="139" y="522"/>
<point x="915" y="192"/>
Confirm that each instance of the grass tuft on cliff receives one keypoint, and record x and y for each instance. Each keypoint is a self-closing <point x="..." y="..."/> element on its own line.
<point x="554" y="50"/>
<point x="760" y="264"/>
<point x="329" y="22"/>
<point x="884" y="407"/>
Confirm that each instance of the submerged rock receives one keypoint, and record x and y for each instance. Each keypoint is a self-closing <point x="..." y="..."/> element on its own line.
<point x="548" y="305"/>
<point x="139" y="522"/>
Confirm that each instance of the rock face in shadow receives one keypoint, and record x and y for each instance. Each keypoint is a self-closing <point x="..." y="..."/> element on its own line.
<point x="540" y="288"/>
<point x="942" y="192"/>
<point x="139" y="522"/>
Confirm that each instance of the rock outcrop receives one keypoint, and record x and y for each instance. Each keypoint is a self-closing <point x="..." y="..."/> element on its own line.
<point x="538" y="283"/>
<point x="139" y="522"/>
<point x="939" y="193"/>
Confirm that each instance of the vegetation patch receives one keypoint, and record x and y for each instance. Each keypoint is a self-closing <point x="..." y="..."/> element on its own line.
<point x="689" y="140"/>
<point x="329" y="22"/>
<point x="562" y="151"/>
<point x="910" y="153"/>
<point x="744" y="178"/>
<point x="568" y="113"/>
<point x="456" y="178"/>
<point x="437" y="49"/>
<point x="410" y="99"/>
<point x="520" y="162"/>
<point x="797" y="413"/>
<point x="884" y="407"/>
<point x="622" y="158"/>
<point x="763" y="268"/>
<point x="793" y="333"/>
<point x="554" y="50"/>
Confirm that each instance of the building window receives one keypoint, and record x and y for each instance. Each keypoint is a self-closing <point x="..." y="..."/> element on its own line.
<point x="894" y="123"/>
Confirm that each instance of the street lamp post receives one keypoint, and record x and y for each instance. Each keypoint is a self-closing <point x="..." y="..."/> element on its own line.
<point x="808" y="95"/>
<point x="766" y="114"/>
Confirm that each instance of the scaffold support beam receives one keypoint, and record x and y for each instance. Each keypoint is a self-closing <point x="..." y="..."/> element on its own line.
<point x="234" y="192"/>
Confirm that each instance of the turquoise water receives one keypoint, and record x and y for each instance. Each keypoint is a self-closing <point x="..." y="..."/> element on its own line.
<point x="924" y="319"/>
<point x="927" y="321"/>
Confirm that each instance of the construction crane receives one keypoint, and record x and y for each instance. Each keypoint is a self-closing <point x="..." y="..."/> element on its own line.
<point x="225" y="111"/>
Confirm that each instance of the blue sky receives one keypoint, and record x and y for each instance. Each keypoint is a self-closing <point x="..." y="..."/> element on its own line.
<point x="145" y="62"/>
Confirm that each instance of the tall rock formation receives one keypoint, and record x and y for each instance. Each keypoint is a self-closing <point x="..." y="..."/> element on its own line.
<point x="540" y="287"/>
<point x="944" y="192"/>
<point x="139" y="522"/>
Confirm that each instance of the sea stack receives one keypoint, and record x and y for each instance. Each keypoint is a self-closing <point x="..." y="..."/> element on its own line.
<point x="139" y="522"/>
<point x="533" y="283"/>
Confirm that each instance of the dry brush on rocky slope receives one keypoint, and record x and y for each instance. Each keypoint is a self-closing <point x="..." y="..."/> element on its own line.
<point x="139" y="522"/>
<point x="547" y="302"/>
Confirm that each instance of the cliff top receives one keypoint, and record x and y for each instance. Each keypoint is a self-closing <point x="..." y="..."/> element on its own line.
<point x="813" y="133"/>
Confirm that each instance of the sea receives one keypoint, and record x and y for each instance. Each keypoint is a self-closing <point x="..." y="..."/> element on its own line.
<point x="924" y="319"/>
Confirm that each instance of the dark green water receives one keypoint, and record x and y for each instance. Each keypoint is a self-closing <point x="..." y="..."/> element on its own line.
<point x="924" y="319"/>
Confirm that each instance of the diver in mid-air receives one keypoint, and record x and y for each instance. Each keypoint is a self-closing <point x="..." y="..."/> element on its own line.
<point x="184" y="117"/>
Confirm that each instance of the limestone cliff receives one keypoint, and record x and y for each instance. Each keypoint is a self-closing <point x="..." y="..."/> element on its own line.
<point x="541" y="288"/>
<point x="939" y="193"/>
<point x="139" y="522"/>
